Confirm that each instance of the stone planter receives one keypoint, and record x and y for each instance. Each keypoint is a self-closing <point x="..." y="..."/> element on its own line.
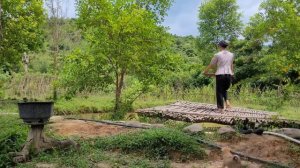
<point x="35" y="113"/>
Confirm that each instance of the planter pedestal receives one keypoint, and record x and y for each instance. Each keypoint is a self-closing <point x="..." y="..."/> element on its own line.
<point x="37" y="142"/>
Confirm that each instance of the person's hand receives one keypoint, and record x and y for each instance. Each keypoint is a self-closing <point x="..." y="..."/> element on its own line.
<point x="232" y="78"/>
<point x="208" y="74"/>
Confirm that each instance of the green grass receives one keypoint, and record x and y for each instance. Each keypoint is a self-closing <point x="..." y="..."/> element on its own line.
<point x="89" y="156"/>
<point x="147" y="149"/>
<point x="154" y="143"/>
<point x="151" y="101"/>
<point x="8" y="107"/>
<point x="90" y="104"/>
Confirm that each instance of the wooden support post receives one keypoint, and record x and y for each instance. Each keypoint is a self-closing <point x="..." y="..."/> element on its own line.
<point x="38" y="142"/>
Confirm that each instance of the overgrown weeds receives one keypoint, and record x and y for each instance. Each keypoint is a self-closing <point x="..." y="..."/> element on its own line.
<point x="154" y="143"/>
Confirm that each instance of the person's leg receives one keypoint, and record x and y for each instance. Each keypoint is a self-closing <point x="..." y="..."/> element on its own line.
<point x="227" y="83"/>
<point x="227" y="103"/>
<point x="219" y="92"/>
<point x="225" y="95"/>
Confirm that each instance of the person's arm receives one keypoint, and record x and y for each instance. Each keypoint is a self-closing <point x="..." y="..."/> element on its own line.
<point x="212" y="64"/>
<point x="205" y="72"/>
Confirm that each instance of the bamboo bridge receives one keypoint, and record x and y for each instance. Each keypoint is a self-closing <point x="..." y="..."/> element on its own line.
<point x="202" y="112"/>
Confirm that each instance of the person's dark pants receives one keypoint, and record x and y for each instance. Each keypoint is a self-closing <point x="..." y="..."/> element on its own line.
<point x="222" y="85"/>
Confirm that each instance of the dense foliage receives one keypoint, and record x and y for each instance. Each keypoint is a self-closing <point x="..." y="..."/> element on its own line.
<point x="20" y="30"/>
<point x="268" y="56"/>
<point x="187" y="73"/>
<point x="274" y="28"/>
<point x="124" y="39"/>
<point x="218" y="20"/>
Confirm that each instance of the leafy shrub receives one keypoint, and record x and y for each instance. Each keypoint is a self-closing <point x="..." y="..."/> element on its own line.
<point x="12" y="136"/>
<point x="155" y="143"/>
<point x="41" y="63"/>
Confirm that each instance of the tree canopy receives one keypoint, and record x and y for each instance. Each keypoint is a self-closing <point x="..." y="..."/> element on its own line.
<point x="219" y="20"/>
<point x="277" y="25"/>
<point x="268" y="57"/>
<point x="20" y="30"/>
<point x="124" y="38"/>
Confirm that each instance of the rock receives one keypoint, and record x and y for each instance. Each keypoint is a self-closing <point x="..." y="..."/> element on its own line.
<point x="157" y="125"/>
<point x="103" y="165"/>
<point x="134" y="123"/>
<point x="194" y="128"/>
<point x="122" y="122"/>
<point x="226" y="130"/>
<point x="45" y="165"/>
<point x="207" y="152"/>
<point x="291" y="132"/>
<point x="146" y="125"/>
<point x="55" y="119"/>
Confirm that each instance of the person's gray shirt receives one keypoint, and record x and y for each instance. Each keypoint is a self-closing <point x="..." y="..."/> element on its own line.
<point x="223" y="60"/>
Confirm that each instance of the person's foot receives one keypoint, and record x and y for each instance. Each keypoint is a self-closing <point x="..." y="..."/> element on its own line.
<point x="227" y="105"/>
<point x="220" y="110"/>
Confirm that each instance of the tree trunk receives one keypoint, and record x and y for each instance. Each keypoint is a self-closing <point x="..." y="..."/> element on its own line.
<point x="38" y="142"/>
<point x="54" y="19"/>
<point x="119" y="87"/>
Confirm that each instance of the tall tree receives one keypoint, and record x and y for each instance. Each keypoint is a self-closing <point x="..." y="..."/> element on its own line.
<point x="20" y="30"/>
<point x="125" y="39"/>
<point x="277" y="25"/>
<point x="218" y="20"/>
<point x="55" y="22"/>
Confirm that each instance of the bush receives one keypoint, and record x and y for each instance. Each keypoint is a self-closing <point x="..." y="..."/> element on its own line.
<point x="12" y="136"/>
<point x="154" y="143"/>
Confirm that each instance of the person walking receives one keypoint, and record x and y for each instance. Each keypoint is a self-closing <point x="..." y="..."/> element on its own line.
<point x="223" y="61"/>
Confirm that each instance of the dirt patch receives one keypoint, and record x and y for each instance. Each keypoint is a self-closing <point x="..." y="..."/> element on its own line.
<point x="214" y="160"/>
<point x="265" y="147"/>
<point x="85" y="129"/>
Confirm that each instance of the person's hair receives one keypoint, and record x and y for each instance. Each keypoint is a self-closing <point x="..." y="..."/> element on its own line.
<point x="223" y="44"/>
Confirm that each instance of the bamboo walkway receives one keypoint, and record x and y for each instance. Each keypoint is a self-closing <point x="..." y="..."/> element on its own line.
<point x="201" y="112"/>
